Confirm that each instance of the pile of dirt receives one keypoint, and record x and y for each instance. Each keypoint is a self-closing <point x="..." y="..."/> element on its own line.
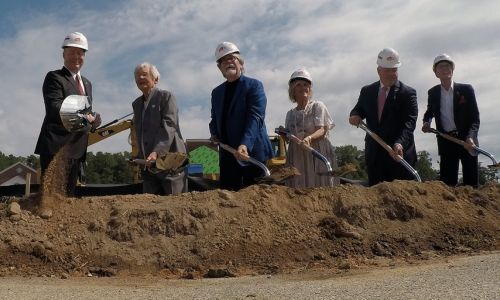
<point x="262" y="229"/>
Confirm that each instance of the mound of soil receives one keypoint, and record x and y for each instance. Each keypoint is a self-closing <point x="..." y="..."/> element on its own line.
<point x="262" y="229"/>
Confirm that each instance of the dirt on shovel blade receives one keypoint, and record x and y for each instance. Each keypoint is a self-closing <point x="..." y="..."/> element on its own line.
<point x="281" y="173"/>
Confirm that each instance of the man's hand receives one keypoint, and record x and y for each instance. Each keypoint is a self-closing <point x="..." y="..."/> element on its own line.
<point x="426" y="127"/>
<point x="90" y="118"/>
<point x="398" y="152"/>
<point x="97" y="120"/>
<point x="470" y="145"/>
<point x="355" y="120"/>
<point x="241" y="153"/>
<point x="152" y="156"/>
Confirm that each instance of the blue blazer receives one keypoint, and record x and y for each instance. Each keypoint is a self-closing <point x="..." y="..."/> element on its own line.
<point x="245" y="123"/>
<point x="465" y="111"/>
<point x="397" y="123"/>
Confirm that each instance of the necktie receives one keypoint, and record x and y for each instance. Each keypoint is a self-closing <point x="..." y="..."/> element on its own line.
<point x="381" y="101"/>
<point x="79" y="85"/>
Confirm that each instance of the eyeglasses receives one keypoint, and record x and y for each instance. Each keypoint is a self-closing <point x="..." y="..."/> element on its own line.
<point x="228" y="58"/>
<point x="443" y="66"/>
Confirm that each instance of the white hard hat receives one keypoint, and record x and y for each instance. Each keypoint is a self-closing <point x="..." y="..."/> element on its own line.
<point x="388" y="58"/>
<point x="76" y="39"/>
<point x="225" y="48"/>
<point x="302" y="74"/>
<point x="443" y="57"/>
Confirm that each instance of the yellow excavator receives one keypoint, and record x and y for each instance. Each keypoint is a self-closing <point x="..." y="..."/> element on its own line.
<point x="112" y="128"/>
<point x="121" y="124"/>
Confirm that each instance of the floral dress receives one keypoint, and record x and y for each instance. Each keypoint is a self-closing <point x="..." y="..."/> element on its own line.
<point x="302" y="123"/>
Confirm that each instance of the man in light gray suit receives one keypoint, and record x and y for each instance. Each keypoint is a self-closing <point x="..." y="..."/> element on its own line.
<point x="157" y="130"/>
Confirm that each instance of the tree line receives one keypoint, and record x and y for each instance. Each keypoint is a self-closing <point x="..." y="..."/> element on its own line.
<point x="110" y="168"/>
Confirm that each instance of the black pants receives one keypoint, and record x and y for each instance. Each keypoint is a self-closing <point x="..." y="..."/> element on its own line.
<point x="163" y="183"/>
<point x="450" y="155"/>
<point x="73" y="167"/>
<point x="234" y="176"/>
<point x="384" y="168"/>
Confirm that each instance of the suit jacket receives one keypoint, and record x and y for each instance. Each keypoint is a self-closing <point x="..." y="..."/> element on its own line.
<point x="53" y="136"/>
<point x="159" y="130"/>
<point x="397" y="122"/>
<point x="245" y="123"/>
<point x="465" y="111"/>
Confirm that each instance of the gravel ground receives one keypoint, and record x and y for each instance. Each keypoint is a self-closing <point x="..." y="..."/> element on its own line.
<point x="473" y="277"/>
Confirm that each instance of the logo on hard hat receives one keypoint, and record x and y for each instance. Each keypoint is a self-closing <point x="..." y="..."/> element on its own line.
<point x="221" y="48"/>
<point x="390" y="58"/>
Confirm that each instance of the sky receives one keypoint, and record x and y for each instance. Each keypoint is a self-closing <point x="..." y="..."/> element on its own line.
<point x="337" y="41"/>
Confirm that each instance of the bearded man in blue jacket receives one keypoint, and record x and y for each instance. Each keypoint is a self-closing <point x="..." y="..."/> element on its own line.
<point x="237" y="119"/>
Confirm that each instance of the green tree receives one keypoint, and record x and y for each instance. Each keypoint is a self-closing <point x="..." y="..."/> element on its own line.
<point x="106" y="168"/>
<point x="424" y="166"/>
<point x="8" y="160"/>
<point x="487" y="174"/>
<point x="33" y="161"/>
<point x="350" y="154"/>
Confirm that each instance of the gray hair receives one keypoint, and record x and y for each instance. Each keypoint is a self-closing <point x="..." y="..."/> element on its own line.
<point x="152" y="70"/>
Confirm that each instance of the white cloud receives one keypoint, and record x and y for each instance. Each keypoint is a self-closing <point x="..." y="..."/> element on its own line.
<point x="336" y="40"/>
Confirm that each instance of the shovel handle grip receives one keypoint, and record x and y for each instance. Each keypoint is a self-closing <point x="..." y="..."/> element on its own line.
<point x="313" y="151"/>
<point x="375" y="136"/>
<point x="247" y="158"/>
<point x="465" y="145"/>
<point x="233" y="151"/>
<point x="414" y="172"/>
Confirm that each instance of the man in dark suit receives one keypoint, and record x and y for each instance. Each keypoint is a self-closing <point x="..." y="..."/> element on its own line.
<point x="57" y="86"/>
<point x="454" y="107"/>
<point x="390" y="109"/>
<point x="156" y="122"/>
<point x="237" y="119"/>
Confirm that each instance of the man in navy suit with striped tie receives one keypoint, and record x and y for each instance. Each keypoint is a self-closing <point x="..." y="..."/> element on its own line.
<point x="390" y="109"/>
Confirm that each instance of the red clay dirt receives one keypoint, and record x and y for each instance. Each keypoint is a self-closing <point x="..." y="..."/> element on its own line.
<point x="263" y="229"/>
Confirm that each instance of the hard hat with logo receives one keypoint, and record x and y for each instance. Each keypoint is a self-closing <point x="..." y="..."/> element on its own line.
<point x="443" y="57"/>
<point x="301" y="73"/>
<point x="224" y="49"/>
<point x="76" y="39"/>
<point x="388" y="58"/>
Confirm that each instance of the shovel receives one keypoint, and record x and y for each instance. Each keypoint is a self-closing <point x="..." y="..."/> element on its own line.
<point x="146" y="164"/>
<point x="330" y="172"/>
<point x="268" y="177"/>
<point x="401" y="160"/>
<point x="170" y="162"/>
<point x="495" y="165"/>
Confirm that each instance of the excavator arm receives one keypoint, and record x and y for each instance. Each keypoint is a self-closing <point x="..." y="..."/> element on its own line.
<point x="112" y="129"/>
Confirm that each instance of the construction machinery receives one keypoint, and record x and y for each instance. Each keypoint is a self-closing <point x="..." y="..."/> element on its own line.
<point x="112" y="128"/>
<point x="122" y="124"/>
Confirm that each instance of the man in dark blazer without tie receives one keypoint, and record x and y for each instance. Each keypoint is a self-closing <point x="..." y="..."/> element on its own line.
<point x="454" y="107"/>
<point x="237" y="119"/>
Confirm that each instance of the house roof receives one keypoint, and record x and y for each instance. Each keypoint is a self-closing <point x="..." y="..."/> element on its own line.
<point x="206" y="156"/>
<point x="16" y="174"/>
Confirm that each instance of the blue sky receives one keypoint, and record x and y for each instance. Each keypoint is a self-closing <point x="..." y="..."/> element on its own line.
<point x="337" y="41"/>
